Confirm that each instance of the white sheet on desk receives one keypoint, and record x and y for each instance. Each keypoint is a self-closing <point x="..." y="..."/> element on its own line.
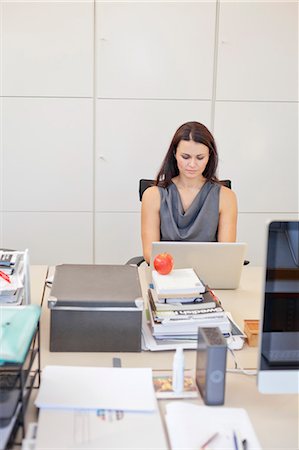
<point x="96" y="388"/>
<point x="109" y="430"/>
<point x="189" y="426"/>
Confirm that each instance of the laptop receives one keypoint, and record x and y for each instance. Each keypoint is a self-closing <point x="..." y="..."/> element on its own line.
<point x="218" y="264"/>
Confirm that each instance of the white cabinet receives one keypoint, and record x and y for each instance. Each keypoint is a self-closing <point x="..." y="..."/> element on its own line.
<point x="47" y="48"/>
<point x="51" y="237"/>
<point x="117" y="237"/>
<point x="259" y="153"/>
<point x="47" y="154"/>
<point x="258" y="51"/>
<point x="155" y="50"/>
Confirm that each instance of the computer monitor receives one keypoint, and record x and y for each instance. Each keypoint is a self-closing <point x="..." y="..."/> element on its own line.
<point x="278" y="370"/>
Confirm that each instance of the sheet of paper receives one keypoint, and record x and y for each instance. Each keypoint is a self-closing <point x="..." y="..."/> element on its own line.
<point x="96" y="388"/>
<point x="108" y="430"/>
<point x="190" y="426"/>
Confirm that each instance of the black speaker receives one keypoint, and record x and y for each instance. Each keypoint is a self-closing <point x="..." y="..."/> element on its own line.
<point x="211" y="365"/>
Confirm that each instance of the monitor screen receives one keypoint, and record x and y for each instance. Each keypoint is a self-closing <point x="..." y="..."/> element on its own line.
<point x="279" y="329"/>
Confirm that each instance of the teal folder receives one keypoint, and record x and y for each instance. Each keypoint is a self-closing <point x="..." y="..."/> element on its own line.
<point x="17" y="327"/>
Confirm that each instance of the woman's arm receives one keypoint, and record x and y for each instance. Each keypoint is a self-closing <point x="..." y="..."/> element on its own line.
<point x="150" y="220"/>
<point x="228" y="212"/>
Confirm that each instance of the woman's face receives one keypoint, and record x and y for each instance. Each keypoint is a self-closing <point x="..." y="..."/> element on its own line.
<point x="192" y="158"/>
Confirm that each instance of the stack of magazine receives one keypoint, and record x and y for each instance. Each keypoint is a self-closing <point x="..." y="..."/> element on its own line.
<point x="14" y="277"/>
<point x="180" y="303"/>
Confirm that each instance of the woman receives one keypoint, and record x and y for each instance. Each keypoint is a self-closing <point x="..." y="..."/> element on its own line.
<point x="188" y="203"/>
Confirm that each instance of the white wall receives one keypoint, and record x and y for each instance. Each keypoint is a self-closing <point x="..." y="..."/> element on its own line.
<point x="92" y="92"/>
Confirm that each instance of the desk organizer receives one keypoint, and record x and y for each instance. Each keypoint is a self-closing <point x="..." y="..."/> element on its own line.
<point x="19" y="367"/>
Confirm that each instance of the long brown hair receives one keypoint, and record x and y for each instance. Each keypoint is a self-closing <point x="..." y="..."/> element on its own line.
<point x="196" y="132"/>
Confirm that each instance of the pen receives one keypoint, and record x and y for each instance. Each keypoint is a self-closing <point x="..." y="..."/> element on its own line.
<point x="211" y="438"/>
<point x="5" y="276"/>
<point x="235" y="441"/>
<point x="238" y="443"/>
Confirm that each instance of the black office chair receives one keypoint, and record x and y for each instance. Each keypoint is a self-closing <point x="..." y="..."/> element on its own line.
<point x="143" y="185"/>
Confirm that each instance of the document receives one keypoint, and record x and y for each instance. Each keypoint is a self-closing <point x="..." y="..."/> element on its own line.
<point x="100" y="430"/>
<point x="72" y="387"/>
<point x="191" y="426"/>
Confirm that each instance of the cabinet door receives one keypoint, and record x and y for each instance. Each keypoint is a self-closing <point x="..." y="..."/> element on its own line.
<point x="259" y="153"/>
<point x="47" y="154"/>
<point x="155" y="50"/>
<point x="117" y="237"/>
<point x="47" y="48"/>
<point x="51" y="237"/>
<point x="258" y="51"/>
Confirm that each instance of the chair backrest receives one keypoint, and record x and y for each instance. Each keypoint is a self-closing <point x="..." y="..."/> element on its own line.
<point x="144" y="184"/>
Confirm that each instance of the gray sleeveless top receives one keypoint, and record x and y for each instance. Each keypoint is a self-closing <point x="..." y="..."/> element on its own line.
<point x="200" y="221"/>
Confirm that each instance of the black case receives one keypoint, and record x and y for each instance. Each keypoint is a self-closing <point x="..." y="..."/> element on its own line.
<point x="95" y="308"/>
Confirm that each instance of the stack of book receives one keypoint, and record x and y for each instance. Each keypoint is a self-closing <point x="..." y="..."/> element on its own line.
<point x="13" y="277"/>
<point x="179" y="303"/>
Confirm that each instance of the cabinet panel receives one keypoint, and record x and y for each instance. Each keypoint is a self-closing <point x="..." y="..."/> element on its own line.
<point x="132" y="140"/>
<point x="1" y="49"/>
<point x="1" y="146"/>
<point x="252" y="228"/>
<point x="47" y="154"/>
<point x="258" y="51"/>
<point x="258" y="147"/>
<point x="117" y="237"/>
<point x="48" y="48"/>
<point x="155" y="49"/>
<point x="52" y="238"/>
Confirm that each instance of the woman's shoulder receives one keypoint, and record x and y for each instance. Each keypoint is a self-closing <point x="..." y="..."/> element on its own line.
<point x="151" y="194"/>
<point x="227" y="196"/>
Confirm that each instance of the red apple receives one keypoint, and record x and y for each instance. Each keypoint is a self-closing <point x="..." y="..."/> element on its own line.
<point x="163" y="263"/>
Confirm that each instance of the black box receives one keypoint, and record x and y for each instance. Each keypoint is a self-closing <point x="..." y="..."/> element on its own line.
<point x="95" y="308"/>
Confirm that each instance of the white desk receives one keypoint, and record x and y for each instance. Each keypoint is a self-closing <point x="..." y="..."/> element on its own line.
<point x="274" y="417"/>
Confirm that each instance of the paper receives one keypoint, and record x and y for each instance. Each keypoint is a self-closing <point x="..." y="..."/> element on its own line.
<point x="96" y="388"/>
<point x="10" y="288"/>
<point x="107" y="430"/>
<point x="190" y="426"/>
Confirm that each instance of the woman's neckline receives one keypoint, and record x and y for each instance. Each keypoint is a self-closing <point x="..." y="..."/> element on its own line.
<point x="183" y="211"/>
<point x="181" y="186"/>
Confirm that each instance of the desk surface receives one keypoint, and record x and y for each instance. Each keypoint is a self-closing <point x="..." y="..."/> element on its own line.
<point x="274" y="417"/>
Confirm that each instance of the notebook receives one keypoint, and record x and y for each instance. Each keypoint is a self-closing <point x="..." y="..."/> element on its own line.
<point x="218" y="264"/>
<point x="178" y="283"/>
